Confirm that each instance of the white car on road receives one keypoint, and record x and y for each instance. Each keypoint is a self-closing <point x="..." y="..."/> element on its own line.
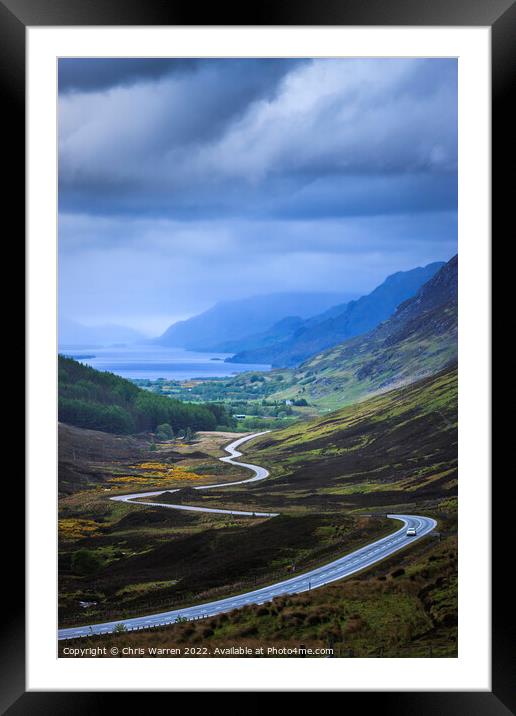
<point x="411" y="532"/>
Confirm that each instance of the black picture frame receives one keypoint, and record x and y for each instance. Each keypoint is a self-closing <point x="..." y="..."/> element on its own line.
<point x="500" y="15"/>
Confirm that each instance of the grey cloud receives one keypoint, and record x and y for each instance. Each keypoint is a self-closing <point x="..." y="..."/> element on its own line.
<point x="181" y="185"/>
<point x="243" y="135"/>
<point x="93" y="74"/>
<point x="82" y="74"/>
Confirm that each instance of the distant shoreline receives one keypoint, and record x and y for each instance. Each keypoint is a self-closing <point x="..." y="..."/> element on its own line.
<point x="150" y="362"/>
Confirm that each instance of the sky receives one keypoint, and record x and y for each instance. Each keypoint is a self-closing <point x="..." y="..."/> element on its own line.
<point x="183" y="183"/>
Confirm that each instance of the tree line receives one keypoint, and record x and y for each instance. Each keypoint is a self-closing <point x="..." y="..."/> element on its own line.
<point x="97" y="400"/>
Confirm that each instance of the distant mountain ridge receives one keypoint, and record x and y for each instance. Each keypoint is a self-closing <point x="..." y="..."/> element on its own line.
<point x="278" y="332"/>
<point x="339" y="322"/>
<point x="231" y="321"/>
<point x="418" y="340"/>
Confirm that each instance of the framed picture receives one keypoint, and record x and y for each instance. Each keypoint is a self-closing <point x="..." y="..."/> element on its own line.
<point x="258" y="284"/>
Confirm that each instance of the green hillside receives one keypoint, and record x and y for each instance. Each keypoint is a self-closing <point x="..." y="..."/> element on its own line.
<point x="418" y="340"/>
<point x="393" y="449"/>
<point x="97" y="400"/>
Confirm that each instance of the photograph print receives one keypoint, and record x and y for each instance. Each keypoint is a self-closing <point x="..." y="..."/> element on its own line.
<point x="257" y="359"/>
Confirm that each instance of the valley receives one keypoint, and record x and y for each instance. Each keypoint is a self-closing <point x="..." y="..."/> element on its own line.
<point x="328" y="476"/>
<point x="363" y="430"/>
<point x="257" y="363"/>
<point x="418" y="339"/>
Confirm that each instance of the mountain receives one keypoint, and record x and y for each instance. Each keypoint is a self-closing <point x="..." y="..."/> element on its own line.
<point x="235" y="320"/>
<point x="73" y="333"/>
<point x="419" y="339"/>
<point x="278" y="332"/>
<point x="339" y="322"/>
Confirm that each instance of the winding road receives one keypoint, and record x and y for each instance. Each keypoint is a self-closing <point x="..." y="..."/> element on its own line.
<point x="338" y="569"/>
<point x="260" y="473"/>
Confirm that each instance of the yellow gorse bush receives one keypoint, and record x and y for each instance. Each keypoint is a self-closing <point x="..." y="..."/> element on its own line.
<point x="132" y="479"/>
<point x="152" y="466"/>
<point x="72" y="528"/>
<point x="154" y="470"/>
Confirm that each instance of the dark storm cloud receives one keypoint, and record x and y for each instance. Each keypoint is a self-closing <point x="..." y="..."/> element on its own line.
<point x="245" y="136"/>
<point x="314" y="200"/>
<point x="126" y="149"/>
<point x="334" y="170"/>
<point x="77" y="74"/>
